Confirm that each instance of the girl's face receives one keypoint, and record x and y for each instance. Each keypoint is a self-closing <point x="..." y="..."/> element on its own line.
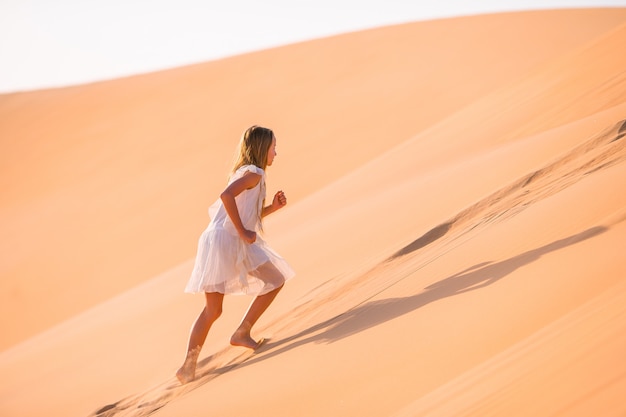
<point x="271" y="153"/>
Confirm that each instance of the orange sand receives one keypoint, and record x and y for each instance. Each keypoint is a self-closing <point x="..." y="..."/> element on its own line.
<point x="456" y="217"/>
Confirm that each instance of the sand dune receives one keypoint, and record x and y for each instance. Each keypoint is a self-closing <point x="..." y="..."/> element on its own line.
<point x="105" y="185"/>
<point x="456" y="220"/>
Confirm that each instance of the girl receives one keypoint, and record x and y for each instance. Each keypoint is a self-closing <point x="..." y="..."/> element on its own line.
<point x="232" y="258"/>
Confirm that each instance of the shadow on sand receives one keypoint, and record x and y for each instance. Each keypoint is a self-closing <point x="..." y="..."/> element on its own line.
<point x="355" y="320"/>
<point x="373" y="313"/>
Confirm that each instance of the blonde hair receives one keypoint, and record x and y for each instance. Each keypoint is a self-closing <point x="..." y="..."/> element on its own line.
<point x="253" y="147"/>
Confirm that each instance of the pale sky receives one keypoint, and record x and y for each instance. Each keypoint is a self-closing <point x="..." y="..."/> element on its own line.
<point x="53" y="43"/>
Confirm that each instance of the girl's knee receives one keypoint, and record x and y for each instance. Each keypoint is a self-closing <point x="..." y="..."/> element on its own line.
<point x="212" y="312"/>
<point x="213" y="306"/>
<point x="275" y="283"/>
<point x="271" y="276"/>
<point x="273" y="287"/>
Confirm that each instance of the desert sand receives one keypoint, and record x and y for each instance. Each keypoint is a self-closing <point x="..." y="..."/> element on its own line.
<point x="456" y="218"/>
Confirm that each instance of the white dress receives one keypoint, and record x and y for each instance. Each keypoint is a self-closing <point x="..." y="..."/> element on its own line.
<point x="227" y="264"/>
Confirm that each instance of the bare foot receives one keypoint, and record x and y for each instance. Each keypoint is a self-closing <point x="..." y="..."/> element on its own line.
<point x="187" y="372"/>
<point x="242" y="338"/>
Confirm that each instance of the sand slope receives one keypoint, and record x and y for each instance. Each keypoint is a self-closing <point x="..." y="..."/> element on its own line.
<point x="457" y="227"/>
<point x="106" y="185"/>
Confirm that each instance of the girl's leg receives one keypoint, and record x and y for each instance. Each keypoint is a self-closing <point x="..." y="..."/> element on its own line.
<point x="273" y="279"/>
<point x="199" y="331"/>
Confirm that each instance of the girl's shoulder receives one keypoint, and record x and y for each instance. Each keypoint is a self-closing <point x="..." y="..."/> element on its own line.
<point x="241" y="171"/>
<point x="250" y="168"/>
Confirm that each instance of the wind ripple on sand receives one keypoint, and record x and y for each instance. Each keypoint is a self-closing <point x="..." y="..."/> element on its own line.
<point x="598" y="153"/>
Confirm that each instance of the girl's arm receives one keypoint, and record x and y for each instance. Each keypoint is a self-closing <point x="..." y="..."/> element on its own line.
<point x="279" y="202"/>
<point x="249" y="180"/>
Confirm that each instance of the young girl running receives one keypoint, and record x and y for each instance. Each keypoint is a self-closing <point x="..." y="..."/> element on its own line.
<point x="232" y="258"/>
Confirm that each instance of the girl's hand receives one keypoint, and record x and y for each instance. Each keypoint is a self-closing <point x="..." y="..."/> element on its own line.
<point x="248" y="236"/>
<point x="280" y="200"/>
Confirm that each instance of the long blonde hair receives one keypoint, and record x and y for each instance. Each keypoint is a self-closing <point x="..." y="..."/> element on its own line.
<point x="253" y="148"/>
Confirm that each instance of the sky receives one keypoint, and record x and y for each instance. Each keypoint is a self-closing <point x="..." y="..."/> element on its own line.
<point x="55" y="43"/>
